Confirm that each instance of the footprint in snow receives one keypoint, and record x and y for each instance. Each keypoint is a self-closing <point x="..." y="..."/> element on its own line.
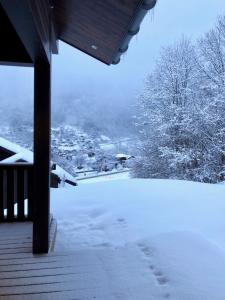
<point x="146" y="250"/>
<point x="166" y="296"/>
<point x="161" y="279"/>
<point x="96" y="213"/>
<point x="103" y="245"/>
<point x="120" y="222"/>
<point x="152" y="267"/>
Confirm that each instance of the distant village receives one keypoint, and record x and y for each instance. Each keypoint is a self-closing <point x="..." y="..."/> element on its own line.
<point x="73" y="151"/>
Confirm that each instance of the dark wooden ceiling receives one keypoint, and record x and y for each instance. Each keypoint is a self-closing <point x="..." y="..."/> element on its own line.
<point x="12" y="50"/>
<point x="96" y="27"/>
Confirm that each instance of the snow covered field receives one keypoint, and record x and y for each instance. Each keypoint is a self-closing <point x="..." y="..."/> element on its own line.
<point x="174" y="231"/>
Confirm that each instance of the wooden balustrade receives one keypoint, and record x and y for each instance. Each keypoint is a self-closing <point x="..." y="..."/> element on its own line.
<point x="16" y="192"/>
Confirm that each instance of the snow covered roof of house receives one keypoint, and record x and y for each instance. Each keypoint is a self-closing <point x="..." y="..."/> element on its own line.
<point x="121" y="155"/>
<point x="21" y="153"/>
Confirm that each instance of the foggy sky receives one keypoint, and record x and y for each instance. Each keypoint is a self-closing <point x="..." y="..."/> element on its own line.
<point x="73" y="71"/>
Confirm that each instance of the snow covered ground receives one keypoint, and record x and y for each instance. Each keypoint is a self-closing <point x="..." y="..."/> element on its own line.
<point x="106" y="176"/>
<point x="173" y="231"/>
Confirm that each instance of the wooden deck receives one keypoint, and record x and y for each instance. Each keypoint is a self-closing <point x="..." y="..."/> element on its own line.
<point x="49" y="276"/>
<point x="79" y="275"/>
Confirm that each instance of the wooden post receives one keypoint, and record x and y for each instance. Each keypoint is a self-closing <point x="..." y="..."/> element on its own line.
<point x="42" y="145"/>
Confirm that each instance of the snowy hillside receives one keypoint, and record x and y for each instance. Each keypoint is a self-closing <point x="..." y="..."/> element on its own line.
<point x="175" y="228"/>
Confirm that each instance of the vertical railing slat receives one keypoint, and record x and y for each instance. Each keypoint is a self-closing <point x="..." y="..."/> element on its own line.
<point x="30" y="194"/>
<point x="20" y="194"/>
<point x="10" y="194"/>
<point x="1" y="196"/>
<point x="16" y="185"/>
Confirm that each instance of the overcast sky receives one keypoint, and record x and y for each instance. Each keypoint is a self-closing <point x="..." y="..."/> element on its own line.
<point x="74" y="71"/>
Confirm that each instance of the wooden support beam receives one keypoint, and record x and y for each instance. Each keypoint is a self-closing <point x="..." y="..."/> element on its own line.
<point x="42" y="120"/>
<point x="33" y="22"/>
<point x="12" y="50"/>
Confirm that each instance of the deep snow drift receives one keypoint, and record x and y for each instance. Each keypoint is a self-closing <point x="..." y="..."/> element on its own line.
<point x="177" y="227"/>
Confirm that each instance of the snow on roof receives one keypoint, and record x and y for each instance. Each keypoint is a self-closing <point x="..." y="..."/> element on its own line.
<point x="27" y="155"/>
<point x="121" y="155"/>
<point x="63" y="174"/>
<point x="69" y="148"/>
<point x="21" y="153"/>
<point x="17" y="157"/>
<point x="105" y="138"/>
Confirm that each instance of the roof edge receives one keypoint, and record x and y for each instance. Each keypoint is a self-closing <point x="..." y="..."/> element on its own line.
<point x="143" y="8"/>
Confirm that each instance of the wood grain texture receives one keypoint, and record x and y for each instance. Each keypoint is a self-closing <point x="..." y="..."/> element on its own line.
<point x="41" y="12"/>
<point x="87" y="23"/>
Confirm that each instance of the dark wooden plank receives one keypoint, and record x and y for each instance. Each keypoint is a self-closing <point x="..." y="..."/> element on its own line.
<point x="12" y="51"/>
<point x="49" y="287"/>
<point x="95" y="27"/>
<point x="20" y="194"/>
<point x="38" y="273"/>
<point x="1" y="196"/>
<point x="10" y="195"/>
<point x="16" y="165"/>
<point x="25" y="22"/>
<point x="66" y="295"/>
<point x="30" y="185"/>
<point x="59" y="282"/>
<point x="14" y="250"/>
<point x="42" y="120"/>
<point x="43" y="15"/>
<point x="14" y="244"/>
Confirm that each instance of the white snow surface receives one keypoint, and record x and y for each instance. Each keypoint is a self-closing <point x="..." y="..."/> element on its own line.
<point x="173" y="232"/>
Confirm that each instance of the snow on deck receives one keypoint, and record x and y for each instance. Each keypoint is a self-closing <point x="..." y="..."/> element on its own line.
<point x="123" y="240"/>
<point x="164" y="238"/>
<point x="82" y="274"/>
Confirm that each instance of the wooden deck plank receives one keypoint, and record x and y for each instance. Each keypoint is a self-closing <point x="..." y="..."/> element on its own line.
<point x="15" y="239"/>
<point x="11" y="250"/>
<point x="13" y="245"/>
<point x="70" y="278"/>
<point x="42" y="288"/>
<point x="79" y="275"/>
<point x="41" y="272"/>
<point x="46" y="265"/>
<point x="50" y="276"/>
<point x="65" y="295"/>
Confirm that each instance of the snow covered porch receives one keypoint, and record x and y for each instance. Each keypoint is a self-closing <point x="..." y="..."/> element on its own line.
<point x="84" y="274"/>
<point x="30" y="31"/>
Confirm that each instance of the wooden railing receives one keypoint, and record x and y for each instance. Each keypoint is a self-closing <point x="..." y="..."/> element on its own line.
<point x="16" y="192"/>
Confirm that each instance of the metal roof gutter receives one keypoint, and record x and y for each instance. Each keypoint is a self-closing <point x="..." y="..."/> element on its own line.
<point x="142" y="10"/>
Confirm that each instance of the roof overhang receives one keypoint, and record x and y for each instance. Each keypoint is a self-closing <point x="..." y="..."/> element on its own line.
<point x="102" y="29"/>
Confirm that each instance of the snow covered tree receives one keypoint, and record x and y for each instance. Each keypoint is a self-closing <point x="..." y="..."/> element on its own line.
<point x="181" y="112"/>
<point x="211" y="63"/>
<point x="164" y="120"/>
